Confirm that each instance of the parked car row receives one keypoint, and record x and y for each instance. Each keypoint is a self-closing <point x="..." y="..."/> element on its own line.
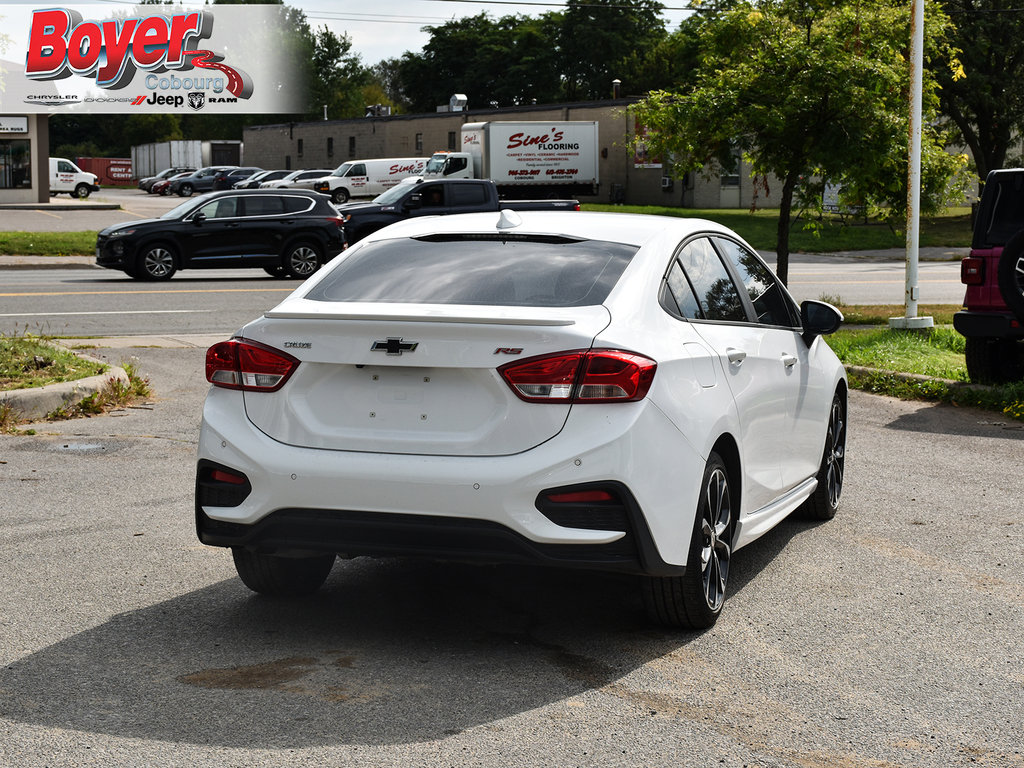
<point x="186" y="182"/>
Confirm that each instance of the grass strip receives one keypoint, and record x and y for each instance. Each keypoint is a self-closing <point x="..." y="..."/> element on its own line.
<point x="949" y="230"/>
<point x="29" y="361"/>
<point x="920" y="365"/>
<point x="47" y="243"/>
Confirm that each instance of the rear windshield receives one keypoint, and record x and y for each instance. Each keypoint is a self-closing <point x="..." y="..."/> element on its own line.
<point x="495" y="270"/>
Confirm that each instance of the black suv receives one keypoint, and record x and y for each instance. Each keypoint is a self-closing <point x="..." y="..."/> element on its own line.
<point x="993" y="318"/>
<point x="288" y="233"/>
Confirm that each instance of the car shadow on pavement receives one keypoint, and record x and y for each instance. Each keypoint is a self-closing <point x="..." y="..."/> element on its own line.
<point x="945" y="419"/>
<point x="389" y="652"/>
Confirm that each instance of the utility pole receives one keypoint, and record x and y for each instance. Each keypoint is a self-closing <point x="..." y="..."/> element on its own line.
<point x="912" y="292"/>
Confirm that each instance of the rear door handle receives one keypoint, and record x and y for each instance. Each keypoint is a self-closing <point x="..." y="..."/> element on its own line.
<point x="736" y="356"/>
<point x="788" y="360"/>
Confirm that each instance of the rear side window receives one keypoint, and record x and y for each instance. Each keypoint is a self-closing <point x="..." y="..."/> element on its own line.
<point x="467" y="194"/>
<point x="296" y="204"/>
<point x="521" y="271"/>
<point x="262" y="205"/>
<point x="1002" y="209"/>
<point x="715" y="290"/>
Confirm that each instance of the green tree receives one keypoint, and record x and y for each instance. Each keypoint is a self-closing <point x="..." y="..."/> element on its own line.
<point x="511" y="60"/>
<point x="599" y="37"/>
<point x="805" y="90"/>
<point x="339" y="76"/>
<point x="985" y="99"/>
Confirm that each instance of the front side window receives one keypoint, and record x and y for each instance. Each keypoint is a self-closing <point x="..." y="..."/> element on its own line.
<point x="715" y="290"/>
<point x="489" y="269"/>
<point x="222" y="208"/>
<point x="771" y="305"/>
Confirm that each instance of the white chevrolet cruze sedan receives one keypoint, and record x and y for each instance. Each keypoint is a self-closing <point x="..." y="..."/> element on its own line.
<point x="588" y="390"/>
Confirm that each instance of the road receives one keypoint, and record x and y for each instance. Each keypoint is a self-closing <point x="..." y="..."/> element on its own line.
<point x="888" y="637"/>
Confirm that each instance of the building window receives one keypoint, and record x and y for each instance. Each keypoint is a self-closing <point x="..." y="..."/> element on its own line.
<point x="15" y="164"/>
<point x="287" y="162"/>
<point x="330" y="146"/>
<point x="731" y="177"/>
<point x="299" y="148"/>
<point x="351" y="146"/>
<point x="452" y="141"/>
<point x="419" y="142"/>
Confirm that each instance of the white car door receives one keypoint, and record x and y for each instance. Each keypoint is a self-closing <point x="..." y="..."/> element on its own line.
<point x="784" y="352"/>
<point x="754" y="371"/>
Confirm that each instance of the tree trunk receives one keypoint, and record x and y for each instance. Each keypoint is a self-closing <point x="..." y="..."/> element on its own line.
<point x="782" y="234"/>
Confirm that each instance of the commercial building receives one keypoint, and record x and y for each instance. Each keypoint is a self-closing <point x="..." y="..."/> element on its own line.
<point x="626" y="174"/>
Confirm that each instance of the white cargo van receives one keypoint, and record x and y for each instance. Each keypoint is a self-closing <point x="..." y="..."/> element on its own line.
<point x="65" y="176"/>
<point x="368" y="178"/>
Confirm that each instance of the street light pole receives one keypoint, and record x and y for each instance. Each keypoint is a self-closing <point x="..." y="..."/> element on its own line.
<point x="912" y="293"/>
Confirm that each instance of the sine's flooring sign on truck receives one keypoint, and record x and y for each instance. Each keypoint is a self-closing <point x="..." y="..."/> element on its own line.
<point x="99" y="58"/>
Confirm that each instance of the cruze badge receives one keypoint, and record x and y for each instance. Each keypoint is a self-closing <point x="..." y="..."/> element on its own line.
<point x="394" y="346"/>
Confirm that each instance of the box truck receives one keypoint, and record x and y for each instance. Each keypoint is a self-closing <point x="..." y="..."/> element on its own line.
<point x="150" y="159"/>
<point x="368" y="178"/>
<point x="525" y="159"/>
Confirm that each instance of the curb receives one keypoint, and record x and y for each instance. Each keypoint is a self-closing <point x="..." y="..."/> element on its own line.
<point x="917" y="378"/>
<point x="34" y="404"/>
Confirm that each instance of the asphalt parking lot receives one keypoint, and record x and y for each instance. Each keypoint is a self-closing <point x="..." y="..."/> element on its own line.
<point x="889" y="636"/>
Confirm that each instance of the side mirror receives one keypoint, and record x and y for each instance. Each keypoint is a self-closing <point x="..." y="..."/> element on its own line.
<point x="819" y="319"/>
<point x="415" y="201"/>
<point x="199" y="218"/>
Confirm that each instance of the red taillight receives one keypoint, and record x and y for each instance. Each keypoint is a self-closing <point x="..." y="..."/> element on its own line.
<point x="595" y="376"/>
<point x="248" y="365"/>
<point x="972" y="271"/>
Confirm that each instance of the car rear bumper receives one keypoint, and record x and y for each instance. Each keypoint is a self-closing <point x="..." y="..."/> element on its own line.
<point x="469" y="508"/>
<point x="990" y="325"/>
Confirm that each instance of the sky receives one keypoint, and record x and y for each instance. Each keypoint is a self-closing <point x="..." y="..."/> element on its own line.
<point x="388" y="28"/>
<point x="391" y="27"/>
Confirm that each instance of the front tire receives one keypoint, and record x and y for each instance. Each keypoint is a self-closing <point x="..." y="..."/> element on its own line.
<point x="694" y="600"/>
<point x="185" y="190"/>
<point x="340" y="195"/>
<point x="82" y="191"/>
<point x="156" y="262"/>
<point x="281" y="576"/>
<point x="824" y="502"/>
<point x="302" y="260"/>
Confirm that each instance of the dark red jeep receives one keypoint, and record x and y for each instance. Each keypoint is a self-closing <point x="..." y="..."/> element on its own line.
<point x="993" y="318"/>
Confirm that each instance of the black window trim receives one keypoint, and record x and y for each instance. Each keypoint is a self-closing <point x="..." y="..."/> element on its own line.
<point x="730" y="268"/>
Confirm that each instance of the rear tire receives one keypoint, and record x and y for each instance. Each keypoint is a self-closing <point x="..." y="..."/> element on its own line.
<point x="185" y="190"/>
<point x="694" y="600"/>
<point x="993" y="361"/>
<point x="302" y="259"/>
<point x="281" y="576"/>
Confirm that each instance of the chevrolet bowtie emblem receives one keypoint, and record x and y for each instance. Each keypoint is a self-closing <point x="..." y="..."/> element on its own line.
<point x="394" y="346"/>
